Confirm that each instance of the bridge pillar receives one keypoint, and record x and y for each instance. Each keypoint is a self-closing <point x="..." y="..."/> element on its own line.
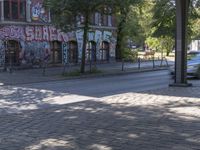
<point x="182" y="7"/>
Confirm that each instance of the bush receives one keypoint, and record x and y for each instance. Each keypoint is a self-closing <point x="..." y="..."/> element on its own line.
<point x="130" y="55"/>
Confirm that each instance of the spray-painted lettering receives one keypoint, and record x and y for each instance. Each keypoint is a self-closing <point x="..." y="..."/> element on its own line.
<point x="12" y="32"/>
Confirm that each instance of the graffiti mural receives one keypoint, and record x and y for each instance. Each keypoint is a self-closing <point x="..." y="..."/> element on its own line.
<point x="2" y="54"/>
<point x="79" y="38"/>
<point x="64" y="51"/>
<point x="47" y="33"/>
<point x="91" y="36"/>
<point x="34" y="41"/>
<point x="98" y="40"/>
<point x="12" y="32"/>
<point x="38" y="12"/>
<point x="107" y="36"/>
<point x="113" y="43"/>
<point x="34" y="52"/>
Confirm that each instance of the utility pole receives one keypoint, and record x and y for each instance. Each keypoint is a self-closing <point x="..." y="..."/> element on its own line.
<point x="182" y="7"/>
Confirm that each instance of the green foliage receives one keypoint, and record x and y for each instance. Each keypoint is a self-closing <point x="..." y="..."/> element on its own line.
<point x="64" y="12"/>
<point x="136" y="23"/>
<point x="167" y="44"/>
<point x="122" y="10"/>
<point x="130" y="55"/>
<point x="153" y="43"/>
<point x="162" y="44"/>
<point x="164" y="18"/>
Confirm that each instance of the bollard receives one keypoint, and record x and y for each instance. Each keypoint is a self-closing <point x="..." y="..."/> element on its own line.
<point x="122" y="64"/>
<point x="44" y="69"/>
<point x="139" y="61"/>
<point x="161" y="63"/>
<point x="153" y="62"/>
<point x="90" y="66"/>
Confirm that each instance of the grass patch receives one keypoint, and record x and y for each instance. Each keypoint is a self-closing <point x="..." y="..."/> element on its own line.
<point x="73" y="73"/>
<point x="77" y="73"/>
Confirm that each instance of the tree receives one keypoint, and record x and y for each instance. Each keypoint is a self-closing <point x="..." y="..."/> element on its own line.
<point x="122" y="10"/>
<point x="64" y="16"/>
<point x="164" y="21"/>
<point x="139" y="24"/>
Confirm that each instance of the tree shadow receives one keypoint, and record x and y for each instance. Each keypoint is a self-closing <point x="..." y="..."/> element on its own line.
<point x="99" y="125"/>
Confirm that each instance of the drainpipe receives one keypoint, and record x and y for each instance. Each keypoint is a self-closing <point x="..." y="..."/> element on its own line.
<point x="2" y="10"/>
<point x="28" y="10"/>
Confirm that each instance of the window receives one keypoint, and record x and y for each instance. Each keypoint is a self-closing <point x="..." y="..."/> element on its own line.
<point x="15" y="9"/>
<point x="97" y="19"/>
<point x="110" y="21"/>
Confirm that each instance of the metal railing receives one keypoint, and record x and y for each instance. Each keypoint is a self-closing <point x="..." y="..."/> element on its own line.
<point x="139" y="62"/>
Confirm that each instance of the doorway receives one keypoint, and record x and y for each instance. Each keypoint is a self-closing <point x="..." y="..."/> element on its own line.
<point x="72" y="52"/>
<point x="91" y="51"/>
<point x="12" y="49"/>
<point x="56" y="52"/>
<point x="105" y="50"/>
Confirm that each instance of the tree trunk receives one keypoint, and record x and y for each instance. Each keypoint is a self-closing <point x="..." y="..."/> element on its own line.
<point x="168" y="52"/>
<point x="119" y="42"/>
<point x="120" y="34"/>
<point x="85" y="37"/>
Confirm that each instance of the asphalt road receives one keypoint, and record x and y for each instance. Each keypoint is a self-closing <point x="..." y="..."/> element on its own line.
<point x="105" y="86"/>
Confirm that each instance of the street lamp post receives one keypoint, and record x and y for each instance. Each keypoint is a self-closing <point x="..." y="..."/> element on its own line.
<point x="182" y="7"/>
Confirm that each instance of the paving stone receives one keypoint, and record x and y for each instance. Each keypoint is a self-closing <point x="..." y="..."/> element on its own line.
<point x="161" y="119"/>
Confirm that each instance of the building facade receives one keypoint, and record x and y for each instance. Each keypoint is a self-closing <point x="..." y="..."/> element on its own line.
<point x="27" y="36"/>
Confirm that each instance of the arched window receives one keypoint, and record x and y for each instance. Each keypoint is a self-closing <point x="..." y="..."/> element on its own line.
<point x="15" y="9"/>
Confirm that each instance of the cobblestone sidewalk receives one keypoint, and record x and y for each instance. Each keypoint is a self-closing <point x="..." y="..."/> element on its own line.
<point x="165" y="119"/>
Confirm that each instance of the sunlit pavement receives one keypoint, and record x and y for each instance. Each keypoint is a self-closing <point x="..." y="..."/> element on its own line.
<point x="159" y="119"/>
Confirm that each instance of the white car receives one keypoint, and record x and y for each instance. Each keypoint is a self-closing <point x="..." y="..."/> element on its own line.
<point x="193" y="67"/>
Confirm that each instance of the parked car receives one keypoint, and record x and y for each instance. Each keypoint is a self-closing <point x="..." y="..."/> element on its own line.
<point x="193" y="67"/>
<point x="193" y="52"/>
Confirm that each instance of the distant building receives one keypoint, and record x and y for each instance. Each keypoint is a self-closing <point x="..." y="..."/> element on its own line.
<point x="26" y="36"/>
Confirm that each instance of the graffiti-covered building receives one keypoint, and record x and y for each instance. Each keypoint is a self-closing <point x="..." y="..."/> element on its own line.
<point x="27" y="36"/>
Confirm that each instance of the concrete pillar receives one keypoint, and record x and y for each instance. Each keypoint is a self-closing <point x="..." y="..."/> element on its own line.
<point x="2" y="10"/>
<point x="182" y="7"/>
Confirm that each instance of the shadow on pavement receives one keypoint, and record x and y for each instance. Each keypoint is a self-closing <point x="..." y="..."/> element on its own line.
<point x="97" y="125"/>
